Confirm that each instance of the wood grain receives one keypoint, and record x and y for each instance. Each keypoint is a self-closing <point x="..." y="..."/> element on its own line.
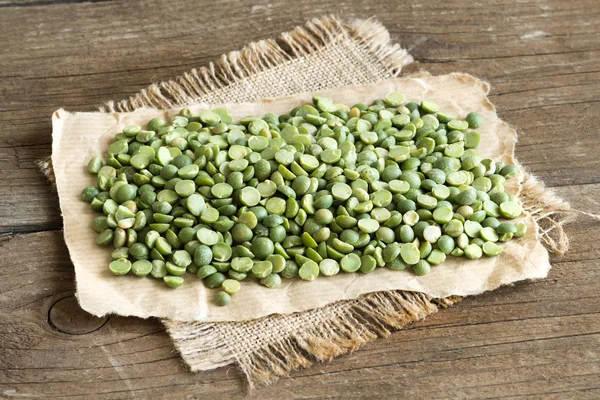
<point x="533" y="340"/>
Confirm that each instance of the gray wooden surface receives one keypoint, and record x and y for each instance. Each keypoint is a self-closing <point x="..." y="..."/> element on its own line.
<point x="533" y="340"/>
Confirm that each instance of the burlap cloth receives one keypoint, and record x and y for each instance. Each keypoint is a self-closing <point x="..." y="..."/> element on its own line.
<point x="325" y="53"/>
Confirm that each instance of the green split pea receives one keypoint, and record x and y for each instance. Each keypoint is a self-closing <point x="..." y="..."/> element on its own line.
<point x="323" y="189"/>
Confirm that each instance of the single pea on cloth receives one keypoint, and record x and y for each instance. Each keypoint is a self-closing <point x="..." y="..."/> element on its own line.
<point x="77" y="137"/>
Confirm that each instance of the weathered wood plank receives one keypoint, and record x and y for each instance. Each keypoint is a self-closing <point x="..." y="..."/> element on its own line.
<point x="534" y="340"/>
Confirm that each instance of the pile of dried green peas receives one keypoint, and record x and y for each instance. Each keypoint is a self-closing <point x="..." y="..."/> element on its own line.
<point x="323" y="189"/>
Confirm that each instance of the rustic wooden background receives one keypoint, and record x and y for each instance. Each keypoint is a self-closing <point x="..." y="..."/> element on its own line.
<point x="534" y="340"/>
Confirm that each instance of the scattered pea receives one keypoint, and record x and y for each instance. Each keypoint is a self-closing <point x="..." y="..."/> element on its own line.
<point x="472" y="251"/>
<point x="94" y="165"/>
<point x="410" y="253"/>
<point x="271" y="281"/>
<point x="120" y="267"/>
<point x="422" y="268"/>
<point x="491" y="249"/>
<point x="173" y="281"/>
<point x="474" y="120"/>
<point x="223" y="298"/>
<point x="231" y="286"/>
<point x="141" y="267"/>
<point x="521" y="229"/>
<point x="350" y="263"/>
<point x="367" y="264"/>
<point x="436" y="257"/>
<point x="214" y="280"/>
<point x="309" y="271"/>
<point x="262" y="269"/>
<point x="329" y="267"/>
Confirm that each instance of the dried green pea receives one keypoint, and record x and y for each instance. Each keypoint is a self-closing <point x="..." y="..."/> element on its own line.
<point x="94" y="165"/>
<point x="121" y="266"/>
<point x="346" y="180"/>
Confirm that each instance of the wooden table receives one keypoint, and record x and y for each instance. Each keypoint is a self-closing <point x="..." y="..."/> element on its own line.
<point x="533" y="340"/>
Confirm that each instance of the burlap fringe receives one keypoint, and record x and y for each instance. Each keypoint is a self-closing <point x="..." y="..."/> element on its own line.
<point x="45" y="166"/>
<point x="550" y="212"/>
<point x="346" y="327"/>
<point x="377" y="315"/>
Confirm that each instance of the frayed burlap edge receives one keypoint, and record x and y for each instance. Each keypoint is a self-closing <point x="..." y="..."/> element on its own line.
<point x="346" y="325"/>
<point x="550" y="212"/>
<point x="326" y="333"/>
